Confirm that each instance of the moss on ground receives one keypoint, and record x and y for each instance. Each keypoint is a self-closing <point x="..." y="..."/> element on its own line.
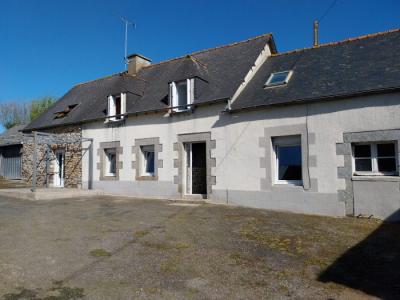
<point x="57" y="292"/>
<point x="140" y="233"/>
<point x="164" y="246"/>
<point x="99" y="253"/>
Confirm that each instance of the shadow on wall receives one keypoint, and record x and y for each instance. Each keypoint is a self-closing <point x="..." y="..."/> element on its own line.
<point x="371" y="266"/>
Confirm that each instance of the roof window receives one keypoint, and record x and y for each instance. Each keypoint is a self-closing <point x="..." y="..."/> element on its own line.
<point x="116" y="107"/>
<point x="278" y="78"/>
<point x="181" y="95"/>
<point x="63" y="113"/>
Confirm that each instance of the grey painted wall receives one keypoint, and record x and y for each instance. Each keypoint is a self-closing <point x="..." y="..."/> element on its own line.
<point x="378" y="198"/>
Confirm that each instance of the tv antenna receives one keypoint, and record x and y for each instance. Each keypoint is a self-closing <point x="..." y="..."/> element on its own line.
<point x="127" y="24"/>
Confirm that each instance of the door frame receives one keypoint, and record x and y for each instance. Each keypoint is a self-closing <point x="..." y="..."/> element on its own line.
<point x="180" y="161"/>
<point x="188" y="162"/>
<point x="58" y="181"/>
<point x="188" y="168"/>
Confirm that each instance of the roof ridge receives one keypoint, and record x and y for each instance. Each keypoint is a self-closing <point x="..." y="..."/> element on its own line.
<point x="177" y="58"/>
<point x="101" y="78"/>
<point x="348" y="40"/>
<point x="208" y="50"/>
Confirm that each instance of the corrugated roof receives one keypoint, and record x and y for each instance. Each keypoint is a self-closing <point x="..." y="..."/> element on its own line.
<point x="12" y="136"/>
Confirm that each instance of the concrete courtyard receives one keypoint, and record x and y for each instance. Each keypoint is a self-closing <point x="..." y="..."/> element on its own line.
<point x="120" y="248"/>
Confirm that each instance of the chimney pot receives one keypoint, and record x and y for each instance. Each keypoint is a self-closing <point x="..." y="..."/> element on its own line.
<point x="137" y="62"/>
<point x="316" y="33"/>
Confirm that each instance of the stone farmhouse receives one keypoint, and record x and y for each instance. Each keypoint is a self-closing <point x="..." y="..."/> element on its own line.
<point x="314" y="130"/>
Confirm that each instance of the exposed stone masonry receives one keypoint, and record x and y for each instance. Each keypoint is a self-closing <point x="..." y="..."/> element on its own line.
<point x="73" y="157"/>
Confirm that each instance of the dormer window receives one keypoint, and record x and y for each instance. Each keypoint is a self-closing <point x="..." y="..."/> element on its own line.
<point x="116" y="107"/>
<point x="278" y="78"/>
<point x="181" y="95"/>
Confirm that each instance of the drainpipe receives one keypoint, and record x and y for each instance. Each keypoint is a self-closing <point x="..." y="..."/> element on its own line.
<point x="34" y="162"/>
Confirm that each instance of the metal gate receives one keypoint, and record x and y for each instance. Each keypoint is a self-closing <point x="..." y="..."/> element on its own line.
<point x="10" y="162"/>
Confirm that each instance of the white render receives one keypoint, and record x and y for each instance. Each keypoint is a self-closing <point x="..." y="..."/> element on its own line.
<point x="238" y="171"/>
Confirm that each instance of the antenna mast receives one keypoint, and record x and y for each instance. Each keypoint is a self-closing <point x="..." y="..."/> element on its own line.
<point x="127" y="23"/>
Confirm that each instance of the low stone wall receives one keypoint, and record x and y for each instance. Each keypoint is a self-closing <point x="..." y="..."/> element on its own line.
<point x="73" y="158"/>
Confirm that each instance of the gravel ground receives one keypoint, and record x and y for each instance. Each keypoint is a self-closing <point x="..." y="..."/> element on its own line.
<point x="120" y="248"/>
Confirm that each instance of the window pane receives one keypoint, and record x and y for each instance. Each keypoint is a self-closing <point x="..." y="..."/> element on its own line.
<point x="278" y="78"/>
<point x="362" y="151"/>
<point x="111" y="162"/>
<point x="118" y="107"/>
<point x="363" y="164"/>
<point x="150" y="162"/>
<point x="386" y="150"/>
<point x="289" y="162"/>
<point x="182" y="93"/>
<point x="386" y="164"/>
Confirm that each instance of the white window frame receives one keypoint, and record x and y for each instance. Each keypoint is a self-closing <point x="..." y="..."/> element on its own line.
<point x="146" y="149"/>
<point x="288" y="76"/>
<point x="107" y="153"/>
<point x="173" y="93"/>
<point x="286" y="141"/>
<point x="374" y="159"/>
<point x="111" y="107"/>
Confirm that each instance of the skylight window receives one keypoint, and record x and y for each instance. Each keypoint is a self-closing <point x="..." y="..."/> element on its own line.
<point x="278" y="78"/>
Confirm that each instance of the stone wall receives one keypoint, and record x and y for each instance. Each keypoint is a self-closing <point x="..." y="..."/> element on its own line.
<point x="73" y="158"/>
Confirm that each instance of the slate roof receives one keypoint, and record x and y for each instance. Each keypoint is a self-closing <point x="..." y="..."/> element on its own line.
<point x="220" y="69"/>
<point x="352" y="67"/>
<point x="12" y="136"/>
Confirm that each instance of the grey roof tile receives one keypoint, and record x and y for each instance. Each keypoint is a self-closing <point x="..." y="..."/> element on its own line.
<point x="359" y="65"/>
<point x="221" y="70"/>
<point x="12" y="136"/>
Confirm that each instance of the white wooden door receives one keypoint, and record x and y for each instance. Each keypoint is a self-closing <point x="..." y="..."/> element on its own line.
<point x="188" y="168"/>
<point x="59" y="169"/>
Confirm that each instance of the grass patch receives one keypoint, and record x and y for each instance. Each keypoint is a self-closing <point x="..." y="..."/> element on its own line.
<point x="21" y="294"/>
<point x="239" y="258"/>
<point x="66" y="293"/>
<point x="140" y="233"/>
<point x="99" y="253"/>
<point x="169" y="266"/>
<point x="56" y="293"/>
<point x="253" y="231"/>
<point x="181" y="245"/>
<point x="163" y="246"/>
<point x="191" y="292"/>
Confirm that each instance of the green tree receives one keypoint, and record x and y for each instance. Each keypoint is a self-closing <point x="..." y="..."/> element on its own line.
<point x="38" y="106"/>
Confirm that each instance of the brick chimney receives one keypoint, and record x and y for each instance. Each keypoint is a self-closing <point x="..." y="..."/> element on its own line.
<point x="136" y="62"/>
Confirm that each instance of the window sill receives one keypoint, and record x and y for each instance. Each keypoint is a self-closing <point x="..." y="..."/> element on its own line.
<point x="147" y="178"/>
<point x="183" y="111"/>
<point x="376" y="178"/>
<point x="275" y="85"/>
<point x="289" y="185"/>
<point x="114" y="122"/>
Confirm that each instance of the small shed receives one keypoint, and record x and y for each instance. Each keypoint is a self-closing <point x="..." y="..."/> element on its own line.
<point x="11" y="143"/>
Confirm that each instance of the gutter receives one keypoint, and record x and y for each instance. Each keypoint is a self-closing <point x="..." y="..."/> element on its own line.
<point x="316" y="99"/>
<point x="143" y="112"/>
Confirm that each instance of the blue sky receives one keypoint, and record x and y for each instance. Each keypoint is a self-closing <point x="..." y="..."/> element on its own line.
<point x="48" y="46"/>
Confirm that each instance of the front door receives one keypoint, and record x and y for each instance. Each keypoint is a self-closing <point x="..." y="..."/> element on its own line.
<point x="196" y="169"/>
<point x="59" y="169"/>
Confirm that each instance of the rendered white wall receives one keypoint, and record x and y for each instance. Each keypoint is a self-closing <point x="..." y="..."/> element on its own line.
<point x="237" y="137"/>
